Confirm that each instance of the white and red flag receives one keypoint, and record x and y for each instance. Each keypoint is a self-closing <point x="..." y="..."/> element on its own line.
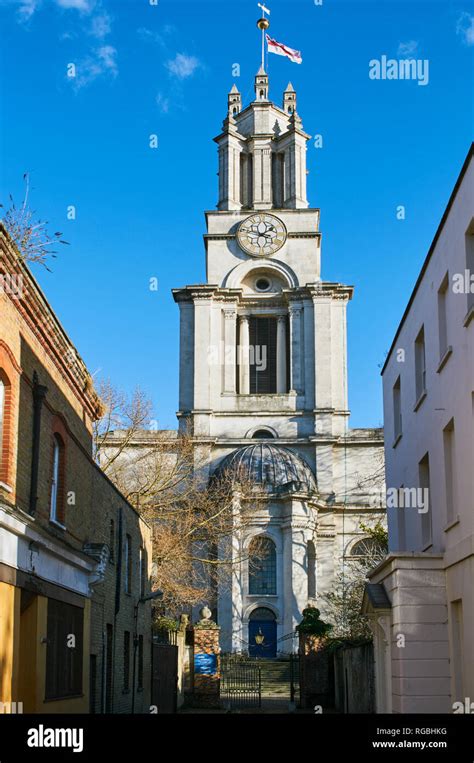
<point x="283" y="50"/>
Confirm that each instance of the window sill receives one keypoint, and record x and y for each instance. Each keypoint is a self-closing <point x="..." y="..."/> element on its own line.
<point x="420" y="400"/>
<point x="451" y="524"/>
<point x="289" y="393"/>
<point x="469" y="317"/>
<point x="444" y="359"/>
<point x="262" y="595"/>
<point x="61" y="699"/>
<point x="7" y="488"/>
<point x="397" y="439"/>
<point x="55" y="523"/>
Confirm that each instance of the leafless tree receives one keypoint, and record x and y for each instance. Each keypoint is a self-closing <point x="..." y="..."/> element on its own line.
<point x="198" y="524"/>
<point x="30" y="235"/>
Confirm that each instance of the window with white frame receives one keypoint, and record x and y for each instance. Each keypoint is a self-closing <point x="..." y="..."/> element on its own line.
<point x="425" y="508"/>
<point x="397" y="409"/>
<point x="128" y="564"/>
<point x="55" y="511"/>
<point x="443" y="317"/>
<point x="420" y="364"/>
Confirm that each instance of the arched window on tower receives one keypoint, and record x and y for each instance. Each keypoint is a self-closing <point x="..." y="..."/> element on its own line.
<point x="262" y="567"/>
<point x="311" y="557"/>
<point x="262" y="434"/>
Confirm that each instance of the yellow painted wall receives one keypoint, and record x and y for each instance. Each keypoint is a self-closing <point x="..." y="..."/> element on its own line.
<point x="23" y="655"/>
<point x="9" y="637"/>
<point x="28" y="651"/>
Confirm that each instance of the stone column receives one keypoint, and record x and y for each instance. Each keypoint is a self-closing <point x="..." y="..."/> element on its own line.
<point x="229" y="168"/>
<point x="229" y="350"/>
<point x="287" y="574"/>
<point x="296" y="354"/>
<point x="281" y="355"/>
<point x="206" y="661"/>
<point x="244" y="355"/>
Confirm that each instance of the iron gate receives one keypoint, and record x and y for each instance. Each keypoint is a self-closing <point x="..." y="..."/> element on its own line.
<point x="241" y="681"/>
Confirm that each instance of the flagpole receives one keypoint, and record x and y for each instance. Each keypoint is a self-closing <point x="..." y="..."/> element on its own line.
<point x="263" y="24"/>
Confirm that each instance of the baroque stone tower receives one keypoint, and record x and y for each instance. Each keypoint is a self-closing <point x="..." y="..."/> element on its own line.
<point x="263" y="373"/>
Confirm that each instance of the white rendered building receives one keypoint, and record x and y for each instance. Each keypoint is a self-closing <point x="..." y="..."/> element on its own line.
<point x="263" y="375"/>
<point x="422" y="596"/>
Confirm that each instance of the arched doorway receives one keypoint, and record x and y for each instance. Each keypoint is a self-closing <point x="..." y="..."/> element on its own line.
<point x="262" y="633"/>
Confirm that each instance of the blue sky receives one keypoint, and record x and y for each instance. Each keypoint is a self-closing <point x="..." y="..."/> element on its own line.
<point x="165" y="69"/>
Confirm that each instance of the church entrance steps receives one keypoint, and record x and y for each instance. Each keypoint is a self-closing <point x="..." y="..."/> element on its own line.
<point x="276" y="678"/>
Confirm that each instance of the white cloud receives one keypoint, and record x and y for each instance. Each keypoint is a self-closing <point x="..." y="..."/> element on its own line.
<point x="183" y="66"/>
<point x="100" y="26"/>
<point x="85" y="6"/>
<point x="407" y="48"/>
<point x="27" y="9"/>
<point x="149" y="36"/>
<point x="108" y="54"/>
<point x="101" y="63"/>
<point x="465" y="27"/>
<point x="163" y="103"/>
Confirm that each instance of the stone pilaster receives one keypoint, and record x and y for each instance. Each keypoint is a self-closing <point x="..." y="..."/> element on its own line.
<point x="281" y="355"/>
<point x="230" y="319"/>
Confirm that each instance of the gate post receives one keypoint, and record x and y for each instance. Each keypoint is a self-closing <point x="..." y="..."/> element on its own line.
<point x="206" y="661"/>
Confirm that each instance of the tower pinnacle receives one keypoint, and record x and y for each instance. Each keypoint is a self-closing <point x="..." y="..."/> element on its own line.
<point x="289" y="99"/>
<point x="234" y="101"/>
<point x="261" y="85"/>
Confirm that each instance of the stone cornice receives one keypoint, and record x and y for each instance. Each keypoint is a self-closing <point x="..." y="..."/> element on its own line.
<point x="37" y="314"/>
<point x="323" y="290"/>
<point x="231" y="236"/>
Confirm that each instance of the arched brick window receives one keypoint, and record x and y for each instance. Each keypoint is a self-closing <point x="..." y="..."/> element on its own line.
<point x="2" y="414"/>
<point x="6" y="420"/>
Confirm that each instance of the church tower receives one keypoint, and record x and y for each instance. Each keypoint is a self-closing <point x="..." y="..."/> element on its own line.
<point x="263" y="372"/>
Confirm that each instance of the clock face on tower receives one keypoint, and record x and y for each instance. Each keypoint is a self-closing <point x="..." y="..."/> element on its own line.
<point x="261" y="234"/>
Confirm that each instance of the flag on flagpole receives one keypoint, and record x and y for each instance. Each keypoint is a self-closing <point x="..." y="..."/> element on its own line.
<point x="283" y="50"/>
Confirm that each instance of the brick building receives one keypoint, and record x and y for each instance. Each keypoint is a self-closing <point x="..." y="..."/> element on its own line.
<point x="75" y="557"/>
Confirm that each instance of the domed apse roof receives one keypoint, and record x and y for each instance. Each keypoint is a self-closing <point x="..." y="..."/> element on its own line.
<point x="276" y="468"/>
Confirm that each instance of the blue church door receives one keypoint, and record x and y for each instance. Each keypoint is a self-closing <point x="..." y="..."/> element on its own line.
<point x="262" y="634"/>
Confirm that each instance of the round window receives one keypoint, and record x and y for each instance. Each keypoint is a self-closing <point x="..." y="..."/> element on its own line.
<point x="262" y="284"/>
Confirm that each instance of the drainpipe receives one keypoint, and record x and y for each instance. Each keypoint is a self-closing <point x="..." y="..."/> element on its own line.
<point x="118" y="584"/>
<point x="39" y="393"/>
<point x="104" y="673"/>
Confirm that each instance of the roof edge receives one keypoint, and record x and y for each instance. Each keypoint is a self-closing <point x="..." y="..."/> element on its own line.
<point x="454" y="192"/>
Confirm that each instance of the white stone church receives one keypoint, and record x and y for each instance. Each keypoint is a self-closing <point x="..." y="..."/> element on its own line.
<point x="263" y="377"/>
